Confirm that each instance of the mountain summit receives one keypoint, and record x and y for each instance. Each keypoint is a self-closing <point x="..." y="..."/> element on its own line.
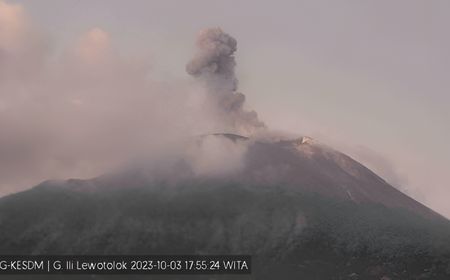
<point x="299" y="207"/>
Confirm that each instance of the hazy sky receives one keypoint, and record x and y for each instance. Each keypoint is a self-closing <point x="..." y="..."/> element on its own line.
<point x="369" y="77"/>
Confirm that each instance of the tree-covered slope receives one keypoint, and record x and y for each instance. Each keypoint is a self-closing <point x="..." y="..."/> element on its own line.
<point x="298" y="234"/>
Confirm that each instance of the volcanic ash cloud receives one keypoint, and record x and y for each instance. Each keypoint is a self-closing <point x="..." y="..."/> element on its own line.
<point x="214" y="65"/>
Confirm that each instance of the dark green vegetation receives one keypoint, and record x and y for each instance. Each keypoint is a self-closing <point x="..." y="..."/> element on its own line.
<point x="291" y="235"/>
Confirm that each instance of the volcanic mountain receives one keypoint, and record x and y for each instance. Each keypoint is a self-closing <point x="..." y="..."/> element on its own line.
<point x="301" y="208"/>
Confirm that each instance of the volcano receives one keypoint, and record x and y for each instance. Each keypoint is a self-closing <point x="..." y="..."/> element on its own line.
<point x="299" y="207"/>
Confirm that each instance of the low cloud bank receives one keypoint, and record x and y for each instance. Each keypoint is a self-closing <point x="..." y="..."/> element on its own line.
<point x="88" y="109"/>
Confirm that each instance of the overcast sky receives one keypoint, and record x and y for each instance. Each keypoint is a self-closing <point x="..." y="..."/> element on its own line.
<point x="368" y="77"/>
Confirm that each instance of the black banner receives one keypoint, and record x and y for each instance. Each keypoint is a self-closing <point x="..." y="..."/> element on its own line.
<point x="126" y="264"/>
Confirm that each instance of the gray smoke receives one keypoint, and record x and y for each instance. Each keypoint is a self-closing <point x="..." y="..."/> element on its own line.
<point x="214" y="65"/>
<point x="88" y="108"/>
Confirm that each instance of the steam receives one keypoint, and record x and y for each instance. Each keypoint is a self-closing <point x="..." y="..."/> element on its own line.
<point x="214" y="65"/>
<point x="214" y="156"/>
<point x="89" y="109"/>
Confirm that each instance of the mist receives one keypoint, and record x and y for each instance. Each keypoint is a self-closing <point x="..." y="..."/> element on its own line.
<point x="75" y="101"/>
<point x="88" y="109"/>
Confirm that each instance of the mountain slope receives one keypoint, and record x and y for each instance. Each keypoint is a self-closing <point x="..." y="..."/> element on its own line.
<point x="300" y="208"/>
<point x="306" y="165"/>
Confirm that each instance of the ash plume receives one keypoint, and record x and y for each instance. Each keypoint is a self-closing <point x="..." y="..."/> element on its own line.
<point x="214" y="65"/>
<point x="89" y="108"/>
